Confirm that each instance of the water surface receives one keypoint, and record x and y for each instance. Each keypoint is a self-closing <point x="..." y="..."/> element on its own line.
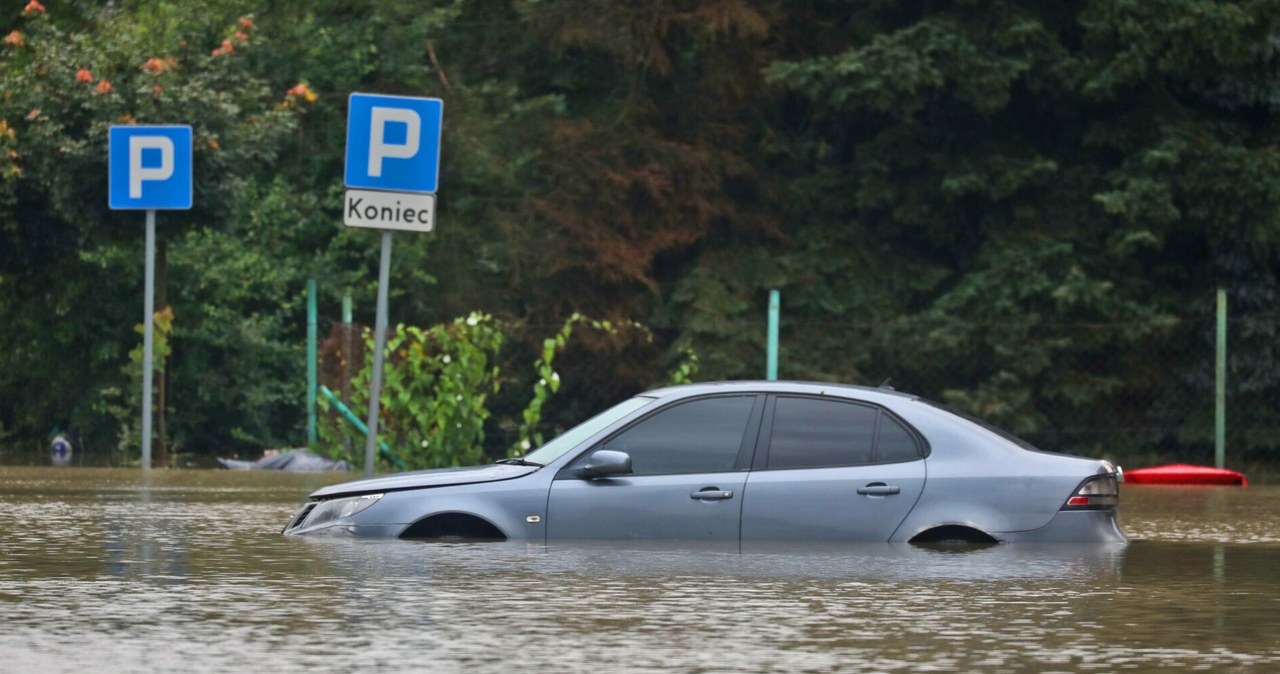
<point x="119" y="571"/>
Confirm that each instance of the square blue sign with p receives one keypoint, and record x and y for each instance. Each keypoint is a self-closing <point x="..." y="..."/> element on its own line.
<point x="393" y="143"/>
<point x="149" y="167"/>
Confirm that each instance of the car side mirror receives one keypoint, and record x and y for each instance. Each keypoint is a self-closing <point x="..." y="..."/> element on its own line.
<point x="606" y="462"/>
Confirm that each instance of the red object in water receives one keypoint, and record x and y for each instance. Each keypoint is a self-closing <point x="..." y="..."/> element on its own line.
<point x="1181" y="473"/>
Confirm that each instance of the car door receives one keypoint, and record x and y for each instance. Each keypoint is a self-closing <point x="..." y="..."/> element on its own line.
<point x="689" y="465"/>
<point x="831" y="470"/>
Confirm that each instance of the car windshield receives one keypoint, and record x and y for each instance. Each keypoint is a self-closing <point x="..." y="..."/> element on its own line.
<point x="574" y="436"/>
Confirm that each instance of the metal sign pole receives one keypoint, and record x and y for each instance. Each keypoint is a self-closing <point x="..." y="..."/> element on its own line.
<point x="379" y="345"/>
<point x="149" y="311"/>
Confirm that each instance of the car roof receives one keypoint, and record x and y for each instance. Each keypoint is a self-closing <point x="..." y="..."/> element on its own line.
<point x="760" y="386"/>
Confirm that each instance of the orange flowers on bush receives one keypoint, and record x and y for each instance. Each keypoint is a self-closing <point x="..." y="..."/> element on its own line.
<point x="245" y="23"/>
<point x="302" y="91"/>
<point x="33" y="7"/>
<point x="226" y="48"/>
<point x="155" y="65"/>
<point x="15" y="38"/>
<point x="103" y="87"/>
<point x="241" y="36"/>
<point x="83" y="75"/>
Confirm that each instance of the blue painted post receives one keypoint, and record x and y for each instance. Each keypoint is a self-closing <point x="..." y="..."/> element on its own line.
<point x="771" y="364"/>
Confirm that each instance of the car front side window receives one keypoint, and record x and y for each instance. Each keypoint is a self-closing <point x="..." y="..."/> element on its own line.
<point x="700" y="436"/>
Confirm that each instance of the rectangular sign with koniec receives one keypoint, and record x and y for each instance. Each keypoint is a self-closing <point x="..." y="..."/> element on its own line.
<point x="405" y="211"/>
<point x="393" y="143"/>
<point x="149" y="167"/>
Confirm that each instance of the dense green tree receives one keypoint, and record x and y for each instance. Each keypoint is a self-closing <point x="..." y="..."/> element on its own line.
<point x="1059" y="186"/>
<point x="1022" y="209"/>
<point x="71" y="270"/>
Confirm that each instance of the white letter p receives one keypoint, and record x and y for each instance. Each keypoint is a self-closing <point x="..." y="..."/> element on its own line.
<point x="379" y="149"/>
<point x="137" y="173"/>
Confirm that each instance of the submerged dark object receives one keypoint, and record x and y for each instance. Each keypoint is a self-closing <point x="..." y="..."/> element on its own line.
<point x="296" y="462"/>
<point x="1181" y="473"/>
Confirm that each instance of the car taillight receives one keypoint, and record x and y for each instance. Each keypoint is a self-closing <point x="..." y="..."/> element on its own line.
<point x="1099" y="492"/>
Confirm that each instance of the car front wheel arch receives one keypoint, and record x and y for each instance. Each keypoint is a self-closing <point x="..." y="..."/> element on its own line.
<point x="957" y="534"/>
<point x="453" y="527"/>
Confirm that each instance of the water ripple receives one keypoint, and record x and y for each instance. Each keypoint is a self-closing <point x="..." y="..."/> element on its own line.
<point x="194" y="576"/>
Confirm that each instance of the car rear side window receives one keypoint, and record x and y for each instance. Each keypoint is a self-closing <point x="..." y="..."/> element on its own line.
<point x="895" y="442"/>
<point x="809" y="433"/>
<point x="700" y="436"/>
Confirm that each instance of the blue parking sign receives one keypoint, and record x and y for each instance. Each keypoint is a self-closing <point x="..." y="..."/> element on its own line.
<point x="149" y="167"/>
<point x="393" y="143"/>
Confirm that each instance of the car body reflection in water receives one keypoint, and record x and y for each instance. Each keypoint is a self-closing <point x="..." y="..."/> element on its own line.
<point x="1096" y="562"/>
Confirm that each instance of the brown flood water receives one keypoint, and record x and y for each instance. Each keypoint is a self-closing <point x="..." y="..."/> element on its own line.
<point x="113" y="571"/>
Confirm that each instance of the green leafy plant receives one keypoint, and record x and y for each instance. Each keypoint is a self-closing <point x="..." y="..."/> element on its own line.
<point x="685" y="369"/>
<point x="125" y="405"/>
<point x="438" y="387"/>
<point x="549" y="380"/>
<point x="435" y="390"/>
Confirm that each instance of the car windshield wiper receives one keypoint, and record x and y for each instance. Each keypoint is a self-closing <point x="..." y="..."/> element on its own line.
<point x="518" y="462"/>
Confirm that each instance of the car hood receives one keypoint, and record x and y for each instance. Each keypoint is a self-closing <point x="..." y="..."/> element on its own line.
<point x="438" y="477"/>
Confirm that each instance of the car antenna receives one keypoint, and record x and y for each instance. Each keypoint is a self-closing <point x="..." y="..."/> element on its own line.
<point x="885" y="384"/>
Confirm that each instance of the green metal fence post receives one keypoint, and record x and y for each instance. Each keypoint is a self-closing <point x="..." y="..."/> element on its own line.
<point x="1220" y="386"/>
<point x="771" y="364"/>
<point x="346" y="356"/>
<point x="311" y="362"/>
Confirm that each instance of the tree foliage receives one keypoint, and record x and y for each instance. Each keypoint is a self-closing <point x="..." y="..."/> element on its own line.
<point x="1020" y="208"/>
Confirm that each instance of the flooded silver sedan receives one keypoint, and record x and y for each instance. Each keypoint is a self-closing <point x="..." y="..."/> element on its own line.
<point x="750" y="461"/>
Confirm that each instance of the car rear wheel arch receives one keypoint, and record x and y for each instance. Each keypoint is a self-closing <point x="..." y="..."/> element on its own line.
<point x="958" y="534"/>
<point x="453" y="526"/>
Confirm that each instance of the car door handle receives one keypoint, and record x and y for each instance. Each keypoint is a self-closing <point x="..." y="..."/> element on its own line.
<point x="878" y="489"/>
<point x="711" y="494"/>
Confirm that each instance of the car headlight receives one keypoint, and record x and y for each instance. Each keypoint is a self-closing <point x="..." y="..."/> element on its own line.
<point x="336" y="509"/>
